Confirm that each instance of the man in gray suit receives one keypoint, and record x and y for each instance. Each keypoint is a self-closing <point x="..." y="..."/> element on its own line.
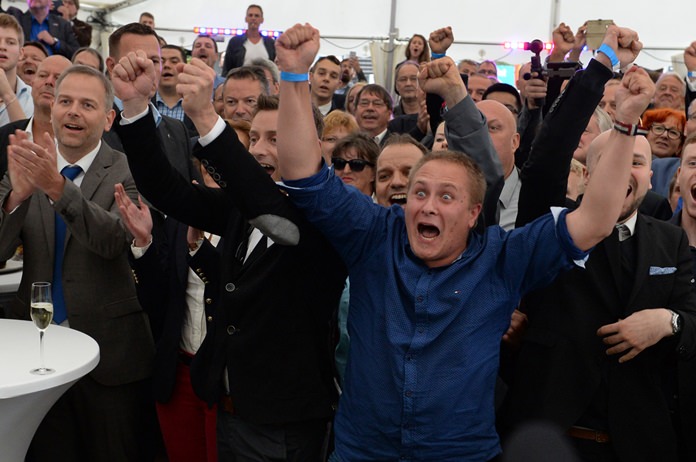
<point x="103" y="416"/>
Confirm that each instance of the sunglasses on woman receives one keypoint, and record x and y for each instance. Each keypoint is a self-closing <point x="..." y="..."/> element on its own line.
<point x="356" y="165"/>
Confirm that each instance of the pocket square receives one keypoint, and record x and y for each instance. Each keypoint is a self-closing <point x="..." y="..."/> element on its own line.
<point x="659" y="270"/>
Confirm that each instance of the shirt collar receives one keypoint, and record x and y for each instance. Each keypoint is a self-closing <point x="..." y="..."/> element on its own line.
<point x="378" y="139"/>
<point x="631" y="223"/>
<point x="508" y="192"/>
<point x="85" y="162"/>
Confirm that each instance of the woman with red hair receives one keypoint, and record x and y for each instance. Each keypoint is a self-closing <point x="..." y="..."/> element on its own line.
<point x="666" y="135"/>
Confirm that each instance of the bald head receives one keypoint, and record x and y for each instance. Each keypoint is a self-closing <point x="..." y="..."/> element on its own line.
<point x="43" y="86"/>
<point x="502" y="126"/>
<point x="596" y="149"/>
<point x="639" y="179"/>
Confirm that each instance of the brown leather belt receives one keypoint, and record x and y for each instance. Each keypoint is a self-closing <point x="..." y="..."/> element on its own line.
<point x="589" y="434"/>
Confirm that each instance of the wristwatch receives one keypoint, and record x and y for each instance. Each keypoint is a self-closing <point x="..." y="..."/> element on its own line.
<point x="676" y="323"/>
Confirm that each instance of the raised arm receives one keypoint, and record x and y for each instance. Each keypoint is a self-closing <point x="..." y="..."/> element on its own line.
<point x="299" y="156"/>
<point x="466" y="129"/>
<point x="545" y="174"/>
<point x="606" y="190"/>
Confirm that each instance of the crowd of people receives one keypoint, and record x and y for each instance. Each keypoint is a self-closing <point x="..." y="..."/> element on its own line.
<point x="280" y="262"/>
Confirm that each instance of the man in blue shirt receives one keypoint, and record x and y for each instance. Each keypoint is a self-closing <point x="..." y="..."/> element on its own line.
<point x="52" y="30"/>
<point x="430" y="297"/>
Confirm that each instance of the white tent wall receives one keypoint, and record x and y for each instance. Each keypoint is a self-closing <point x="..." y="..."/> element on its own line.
<point x="480" y="28"/>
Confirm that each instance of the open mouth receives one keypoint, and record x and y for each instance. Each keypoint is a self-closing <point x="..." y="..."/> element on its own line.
<point x="629" y="190"/>
<point x="73" y="127"/>
<point x="268" y="167"/>
<point x="167" y="74"/>
<point x="428" y="231"/>
<point x="693" y="192"/>
<point x="398" y="199"/>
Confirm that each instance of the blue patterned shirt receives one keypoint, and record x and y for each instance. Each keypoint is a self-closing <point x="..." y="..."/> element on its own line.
<point x="425" y="341"/>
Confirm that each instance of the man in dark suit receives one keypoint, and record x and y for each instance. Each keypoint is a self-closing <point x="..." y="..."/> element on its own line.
<point x="603" y="366"/>
<point x="172" y="134"/>
<point x="266" y="356"/>
<point x="53" y="31"/>
<point x="105" y="414"/>
<point x="82" y="30"/>
<point x="373" y="109"/>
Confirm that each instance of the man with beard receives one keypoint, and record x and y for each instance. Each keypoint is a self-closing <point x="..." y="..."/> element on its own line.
<point x="605" y="371"/>
<point x="351" y="73"/>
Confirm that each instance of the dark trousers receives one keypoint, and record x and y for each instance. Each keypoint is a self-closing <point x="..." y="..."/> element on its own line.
<point x="92" y="422"/>
<point x="240" y="441"/>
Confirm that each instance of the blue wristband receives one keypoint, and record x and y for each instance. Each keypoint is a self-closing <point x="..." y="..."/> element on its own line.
<point x="691" y="74"/>
<point x="437" y="55"/>
<point x="290" y="77"/>
<point x="607" y="50"/>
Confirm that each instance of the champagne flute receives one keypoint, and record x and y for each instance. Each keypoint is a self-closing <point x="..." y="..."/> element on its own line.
<point x="42" y="315"/>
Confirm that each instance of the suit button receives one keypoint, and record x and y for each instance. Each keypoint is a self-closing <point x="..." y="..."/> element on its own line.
<point x="230" y="287"/>
<point x="231" y="330"/>
<point x="208" y="301"/>
<point x="210" y="319"/>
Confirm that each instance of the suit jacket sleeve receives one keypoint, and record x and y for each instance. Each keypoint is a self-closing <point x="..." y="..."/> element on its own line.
<point x="98" y="229"/>
<point x="166" y="188"/>
<point x="545" y="174"/>
<point x="10" y="224"/>
<point x="467" y="131"/>
<point x="250" y="188"/>
<point x="64" y="33"/>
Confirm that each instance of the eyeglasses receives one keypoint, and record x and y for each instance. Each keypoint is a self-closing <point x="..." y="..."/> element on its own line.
<point x="356" y="165"/>
<point x="378" y="103"/>
<point x="671" y="132"/>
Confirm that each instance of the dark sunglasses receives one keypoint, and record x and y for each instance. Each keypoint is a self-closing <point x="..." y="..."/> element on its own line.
<point x="356" y="165"/>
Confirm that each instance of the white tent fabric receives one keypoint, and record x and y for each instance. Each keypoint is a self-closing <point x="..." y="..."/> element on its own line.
<point x="665" y="31"/>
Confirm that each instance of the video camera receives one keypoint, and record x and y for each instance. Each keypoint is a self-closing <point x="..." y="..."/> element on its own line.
<point x="564" y="70"/>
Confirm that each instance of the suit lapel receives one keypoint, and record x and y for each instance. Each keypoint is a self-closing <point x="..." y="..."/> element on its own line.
<point x="97" y="171"/>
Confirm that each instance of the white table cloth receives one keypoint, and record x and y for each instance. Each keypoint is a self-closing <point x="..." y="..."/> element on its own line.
<point x="25" y="398"/>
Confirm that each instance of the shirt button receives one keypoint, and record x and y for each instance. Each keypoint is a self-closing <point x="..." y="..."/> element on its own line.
<point x="231" y="330"/>
<point x="230" y="287"/>
<point x="420" y="330"/>
<point x="409" y="393"/>
<point x="419" y="298"/>
<point x="408" y="357"/>
<point x="208" y="301"/>
<point x="210" y="319"/>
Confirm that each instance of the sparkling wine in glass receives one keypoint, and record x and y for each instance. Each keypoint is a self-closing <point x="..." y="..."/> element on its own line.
<point x="42" y="315"/>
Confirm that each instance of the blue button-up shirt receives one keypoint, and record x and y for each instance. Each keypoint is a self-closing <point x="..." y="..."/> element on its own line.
<point x="36" y="28"/>
<point x="425" y="341"/>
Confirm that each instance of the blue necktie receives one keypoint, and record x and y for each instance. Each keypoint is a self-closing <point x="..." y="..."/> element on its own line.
<point x="59" y="312"/>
